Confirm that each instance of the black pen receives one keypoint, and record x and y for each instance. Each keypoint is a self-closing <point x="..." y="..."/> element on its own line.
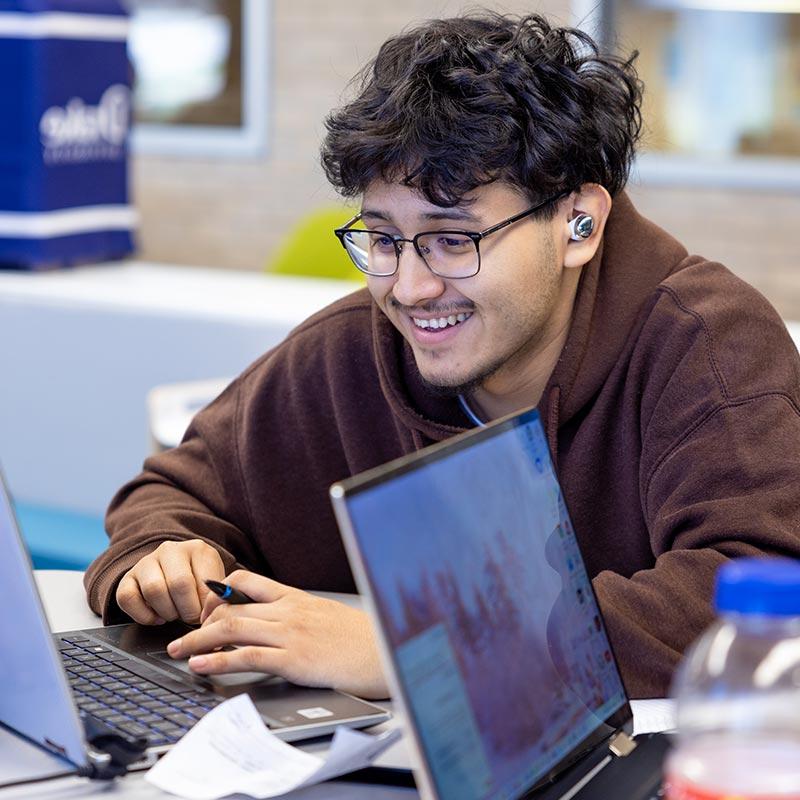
<point x="228" y="593"/>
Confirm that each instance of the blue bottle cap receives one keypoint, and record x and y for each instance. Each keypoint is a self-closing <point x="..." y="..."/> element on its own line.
<point x="768" y="586"/>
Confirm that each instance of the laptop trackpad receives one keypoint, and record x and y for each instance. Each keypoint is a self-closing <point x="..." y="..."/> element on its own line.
<point x="231" y="679"/>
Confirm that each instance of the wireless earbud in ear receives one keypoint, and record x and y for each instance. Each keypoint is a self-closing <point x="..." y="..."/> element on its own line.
<point x="581" y="227"/>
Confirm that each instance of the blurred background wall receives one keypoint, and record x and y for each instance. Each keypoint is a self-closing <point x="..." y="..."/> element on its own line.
<point x="233" y="212"/>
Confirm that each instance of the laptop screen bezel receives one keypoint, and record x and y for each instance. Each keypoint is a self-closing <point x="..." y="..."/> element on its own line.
<point x="344" y="490"/>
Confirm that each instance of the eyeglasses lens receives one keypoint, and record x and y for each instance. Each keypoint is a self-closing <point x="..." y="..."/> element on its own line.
<point x="451" y="255"/>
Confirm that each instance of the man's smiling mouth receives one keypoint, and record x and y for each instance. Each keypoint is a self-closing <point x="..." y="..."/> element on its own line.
<point x="441" y="322"/>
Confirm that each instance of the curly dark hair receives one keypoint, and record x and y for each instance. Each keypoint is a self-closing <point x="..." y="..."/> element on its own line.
<point x="454" y="104"/>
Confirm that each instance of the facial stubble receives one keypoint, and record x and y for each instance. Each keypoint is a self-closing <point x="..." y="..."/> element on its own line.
<point x="547" y="278"/>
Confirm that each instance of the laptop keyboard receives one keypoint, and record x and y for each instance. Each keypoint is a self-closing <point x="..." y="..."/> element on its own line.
<point x="129" y="697"/>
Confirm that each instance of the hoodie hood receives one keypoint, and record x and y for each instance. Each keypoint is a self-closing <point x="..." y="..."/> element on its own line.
<point x="634" y="257"/>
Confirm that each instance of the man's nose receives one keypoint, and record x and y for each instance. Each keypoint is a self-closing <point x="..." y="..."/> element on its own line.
<point x="414" y="282"/>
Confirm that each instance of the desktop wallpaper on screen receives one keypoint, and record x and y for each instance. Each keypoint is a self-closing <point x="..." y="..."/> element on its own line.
<point x="489" y="612"/>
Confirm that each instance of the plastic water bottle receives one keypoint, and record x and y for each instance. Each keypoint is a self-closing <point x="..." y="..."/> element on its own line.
<point x="738" y="691"/>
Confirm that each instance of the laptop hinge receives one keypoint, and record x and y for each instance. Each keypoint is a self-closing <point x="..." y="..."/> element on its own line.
<point x="621" y="744"/>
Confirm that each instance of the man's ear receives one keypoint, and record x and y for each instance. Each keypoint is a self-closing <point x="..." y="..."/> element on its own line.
<point x="582" y="218"/>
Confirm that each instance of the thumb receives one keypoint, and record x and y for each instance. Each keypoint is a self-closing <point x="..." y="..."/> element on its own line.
<point x="206" y="565"/>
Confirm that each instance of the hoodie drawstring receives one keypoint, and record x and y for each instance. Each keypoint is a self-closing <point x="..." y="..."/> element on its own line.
<point x="416" y="438"/>
<point x="551" y="429"/>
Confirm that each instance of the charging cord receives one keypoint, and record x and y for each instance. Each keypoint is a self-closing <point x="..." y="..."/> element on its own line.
<point x="117" y="752"/>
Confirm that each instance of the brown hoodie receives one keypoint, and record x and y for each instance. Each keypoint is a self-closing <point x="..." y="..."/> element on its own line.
<point x="672" y="416"/>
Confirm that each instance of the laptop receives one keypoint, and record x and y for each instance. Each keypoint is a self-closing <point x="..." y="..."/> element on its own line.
<point x="490" y="630"/>
<point x="120" y="678"/>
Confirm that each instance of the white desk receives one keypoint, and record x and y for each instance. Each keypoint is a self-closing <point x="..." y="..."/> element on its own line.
<point x="62" y="593"/>
<point x="82" y="347"/>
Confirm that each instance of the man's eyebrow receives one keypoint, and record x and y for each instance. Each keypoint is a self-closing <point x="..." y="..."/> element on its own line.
<point x="375" y="213"/>
<point x="462" y="215"/>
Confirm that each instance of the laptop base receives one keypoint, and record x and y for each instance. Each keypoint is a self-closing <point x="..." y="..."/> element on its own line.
<point x="291" y="712"/>
<point x="22" y="761"/>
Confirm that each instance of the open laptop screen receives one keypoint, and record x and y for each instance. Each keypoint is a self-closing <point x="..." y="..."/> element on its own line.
<point x="35" y="699"/>
<point x="486" y="608"/>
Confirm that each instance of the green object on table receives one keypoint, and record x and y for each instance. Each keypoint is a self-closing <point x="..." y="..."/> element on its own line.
<point x="310" y="248"/>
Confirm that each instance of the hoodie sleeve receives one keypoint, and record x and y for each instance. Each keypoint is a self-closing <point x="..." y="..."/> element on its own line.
<point x="251" y="476"/>
<point x="719" y="470"/>
<point x="192" y="492"/>
<point x="728" y="490"/>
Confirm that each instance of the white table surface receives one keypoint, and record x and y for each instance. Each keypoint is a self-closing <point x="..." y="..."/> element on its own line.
<point x="86" y="345"/>
<point x="64" y="601"/>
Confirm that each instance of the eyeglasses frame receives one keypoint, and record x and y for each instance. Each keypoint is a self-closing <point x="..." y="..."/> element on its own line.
<point x="476" y="237"/>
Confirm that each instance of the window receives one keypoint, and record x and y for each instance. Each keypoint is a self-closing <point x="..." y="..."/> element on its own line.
<point x="200" y="76"/>
<point x="722" y="80"/>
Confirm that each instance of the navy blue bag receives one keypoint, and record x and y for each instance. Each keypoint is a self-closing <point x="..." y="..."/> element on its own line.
<point x="65" y="103"/>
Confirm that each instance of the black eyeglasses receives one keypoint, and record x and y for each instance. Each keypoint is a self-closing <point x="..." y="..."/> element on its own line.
<point x="449" y="254"/>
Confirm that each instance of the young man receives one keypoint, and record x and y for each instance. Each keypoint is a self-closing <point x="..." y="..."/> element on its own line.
<point x="507" y="268"/>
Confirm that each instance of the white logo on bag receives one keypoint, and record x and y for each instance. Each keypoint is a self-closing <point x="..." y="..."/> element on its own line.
<point x="80" y="132"/>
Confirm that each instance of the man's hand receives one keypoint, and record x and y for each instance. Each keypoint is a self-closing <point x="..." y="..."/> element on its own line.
<point x="167" y="584"/>
<point x="306" y="639"/>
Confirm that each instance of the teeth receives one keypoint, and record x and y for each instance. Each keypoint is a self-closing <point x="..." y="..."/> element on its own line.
<point x="441" y="322"/>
